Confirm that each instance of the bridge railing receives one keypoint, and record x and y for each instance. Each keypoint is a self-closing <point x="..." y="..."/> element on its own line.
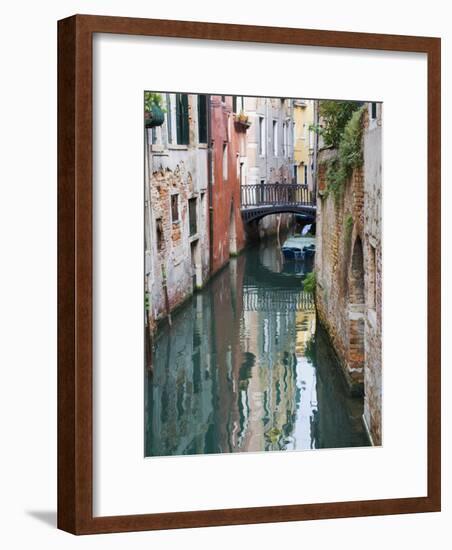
<point x="278" y="300"/>
<point x="275" y="194"/>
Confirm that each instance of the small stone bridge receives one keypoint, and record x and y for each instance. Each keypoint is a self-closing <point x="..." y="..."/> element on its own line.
<point x="259" y="200"/>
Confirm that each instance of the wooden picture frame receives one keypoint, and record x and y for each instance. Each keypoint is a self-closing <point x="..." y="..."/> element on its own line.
<point x="75" y="278"/>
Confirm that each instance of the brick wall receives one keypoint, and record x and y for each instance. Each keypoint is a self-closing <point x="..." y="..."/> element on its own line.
<point x="348" y="268"/>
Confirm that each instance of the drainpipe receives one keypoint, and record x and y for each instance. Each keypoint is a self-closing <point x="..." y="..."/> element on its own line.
<point x="209" y="180"/>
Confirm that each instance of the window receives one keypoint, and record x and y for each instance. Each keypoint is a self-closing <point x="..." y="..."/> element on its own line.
<point x="225" y="161"/>
<point x="192" y="216"/>
<point x="175" y="208"/>
<point x="286" y="138"/>
<point x="261" y="136"/>
<point x="305" y="174"/>
<point x="202" y="118"/>
<point x="168" y="118"/>
<point x="223" y="98"/>
<point x="275" y="138"/>
<point x="203" y="205"/>
<point x="153" y="136"/>
<point x="182" y="122"/>
<point x="237" y="104"/>
<point x="373" y="110"/>
<point x="159" y="229"/>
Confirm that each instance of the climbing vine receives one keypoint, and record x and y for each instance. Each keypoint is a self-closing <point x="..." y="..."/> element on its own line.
<point x="335" y="115"/>
<point x="349" y="155"/>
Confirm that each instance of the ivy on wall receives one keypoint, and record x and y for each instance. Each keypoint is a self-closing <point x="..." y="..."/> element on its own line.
<point x="342" y="130"/>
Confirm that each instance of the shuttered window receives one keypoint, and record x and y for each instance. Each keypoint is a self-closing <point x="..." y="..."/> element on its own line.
<point x="182" y="119"/>
<point x="168" y="118"/>
<point x="202" y="118"/>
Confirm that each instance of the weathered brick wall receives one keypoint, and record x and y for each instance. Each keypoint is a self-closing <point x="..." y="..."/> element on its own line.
<point x="348" y="268"/>
<point x="339" y="224"/>
<point x="173" y="256"/>
<point x="171" y="260"/>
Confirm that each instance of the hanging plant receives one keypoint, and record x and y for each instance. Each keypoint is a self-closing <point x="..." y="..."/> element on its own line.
<point x="242" y="120"/>
<point x="154" y="114"/>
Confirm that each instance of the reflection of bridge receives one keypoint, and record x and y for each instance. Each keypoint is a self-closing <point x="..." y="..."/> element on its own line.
<point x="259" y="200"/>
<point x="271" y="299"/>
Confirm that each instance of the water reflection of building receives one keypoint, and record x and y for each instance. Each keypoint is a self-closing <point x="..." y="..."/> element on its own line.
<point x="270" y="334"/>
<point x="233" y="374"/>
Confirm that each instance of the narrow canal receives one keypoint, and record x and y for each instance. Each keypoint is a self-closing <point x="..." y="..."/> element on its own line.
<point x="245" y="367"/>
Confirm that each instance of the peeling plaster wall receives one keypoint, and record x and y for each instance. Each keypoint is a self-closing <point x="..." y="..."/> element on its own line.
<point x="372" y="235"/>
<point x="173" y="257"/>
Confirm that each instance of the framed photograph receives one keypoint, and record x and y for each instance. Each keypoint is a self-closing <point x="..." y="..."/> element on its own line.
<point x="249" y="274"/>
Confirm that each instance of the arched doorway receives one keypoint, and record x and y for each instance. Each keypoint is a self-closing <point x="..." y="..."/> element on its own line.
<point x="356" y="300"/>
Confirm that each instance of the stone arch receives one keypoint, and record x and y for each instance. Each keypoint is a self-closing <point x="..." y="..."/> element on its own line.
<point x="356" y="327"/>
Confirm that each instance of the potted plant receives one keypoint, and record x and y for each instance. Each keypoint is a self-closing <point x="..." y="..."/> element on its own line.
<point x="242" y="120"/>
<point x="154" y="114"/>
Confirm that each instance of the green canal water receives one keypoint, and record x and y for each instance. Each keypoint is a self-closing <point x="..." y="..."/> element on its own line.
<point x="245" y="367"/>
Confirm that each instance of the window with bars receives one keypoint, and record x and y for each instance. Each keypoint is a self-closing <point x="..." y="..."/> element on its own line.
<point x="202" y="118"/>
<point x="182" y="122"/>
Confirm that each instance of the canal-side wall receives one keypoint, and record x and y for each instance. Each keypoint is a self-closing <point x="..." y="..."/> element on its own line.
<point x="348" y="270"/>
<point x="176" y="211"/>
<point x="373" y="235"/>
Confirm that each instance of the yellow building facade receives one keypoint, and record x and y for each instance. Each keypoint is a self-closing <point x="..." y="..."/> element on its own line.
<point x="303" y="114"/>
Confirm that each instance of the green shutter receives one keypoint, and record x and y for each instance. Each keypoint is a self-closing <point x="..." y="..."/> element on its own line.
<point x="202" y="118"/>
<point x="182" y="119"/>
<point x="185" y="122"/>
